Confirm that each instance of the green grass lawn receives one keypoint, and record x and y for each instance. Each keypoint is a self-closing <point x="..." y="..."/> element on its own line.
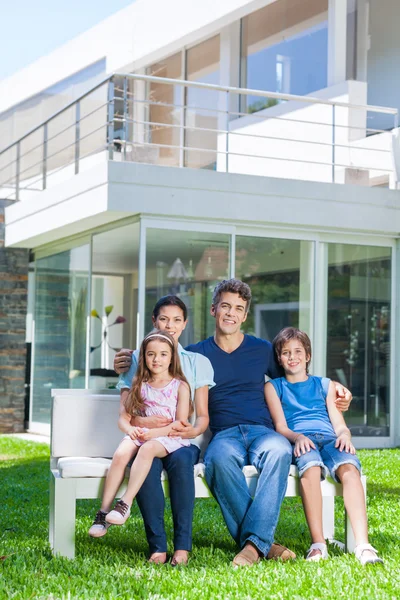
<point x="115" y="566"/>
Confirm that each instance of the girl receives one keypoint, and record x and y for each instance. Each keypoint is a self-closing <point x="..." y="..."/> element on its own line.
<point x="159" y="388"/>
<point x="303" y="410"/>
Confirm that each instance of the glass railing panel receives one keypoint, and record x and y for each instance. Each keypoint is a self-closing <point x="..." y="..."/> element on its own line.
<point x="31" y="164"/>
<point x="93" y="127"/>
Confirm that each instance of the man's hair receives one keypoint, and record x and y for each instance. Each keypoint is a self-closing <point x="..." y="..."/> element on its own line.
<point x="170" y="301"/>
<point x="234" y="286"/>
<point x="292" y="333"/>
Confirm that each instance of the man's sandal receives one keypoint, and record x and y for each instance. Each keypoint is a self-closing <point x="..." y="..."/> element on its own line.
<point x="317" y="552"/>
<point x="279" y="552"/>
<point x="363" y="554"/>
<point x="246" y="558"/>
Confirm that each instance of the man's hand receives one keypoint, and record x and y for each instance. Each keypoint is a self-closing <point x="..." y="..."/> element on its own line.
<point x="152" y="422"/>
<point x="343" y="397"/>
<point x="302" y="445"/>
<point x="184" y="430"/>
<point x="343" y="442"/>
<point x="122" y="361"/>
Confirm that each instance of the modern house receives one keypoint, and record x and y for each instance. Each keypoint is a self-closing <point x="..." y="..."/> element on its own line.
<point x="179" y="143"/>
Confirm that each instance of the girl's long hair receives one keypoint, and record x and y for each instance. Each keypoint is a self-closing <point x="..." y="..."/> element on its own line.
<point x="134" y="403"/>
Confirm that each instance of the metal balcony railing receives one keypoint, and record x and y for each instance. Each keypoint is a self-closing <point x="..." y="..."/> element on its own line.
<point x="178" y="123"/>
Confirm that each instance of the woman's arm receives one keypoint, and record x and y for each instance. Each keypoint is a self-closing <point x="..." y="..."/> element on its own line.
<point x="186" y="430"/>
<point x="343" y="434"/>
<point x="302" y="444"/>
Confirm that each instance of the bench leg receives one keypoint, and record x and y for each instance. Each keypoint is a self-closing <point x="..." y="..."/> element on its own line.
<point x="350" y="542"/>
<point x="62" y="516"/>
<point x="328" y="517"/>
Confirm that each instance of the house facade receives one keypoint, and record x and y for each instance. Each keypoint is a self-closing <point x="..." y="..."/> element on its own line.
<point x="177" y="144"/>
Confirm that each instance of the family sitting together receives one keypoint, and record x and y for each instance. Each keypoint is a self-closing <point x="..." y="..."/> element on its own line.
<point x="295" y="417"/>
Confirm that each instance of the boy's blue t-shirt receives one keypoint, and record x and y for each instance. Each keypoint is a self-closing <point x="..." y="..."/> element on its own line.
<point x="238" y="395"/>
<point x="304" y="404"/>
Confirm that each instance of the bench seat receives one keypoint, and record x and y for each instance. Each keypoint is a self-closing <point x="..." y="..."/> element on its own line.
<point x="84" y="434"/>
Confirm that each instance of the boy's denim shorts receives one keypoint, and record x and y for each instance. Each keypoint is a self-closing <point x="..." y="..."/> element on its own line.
<point x="325" y="456"/>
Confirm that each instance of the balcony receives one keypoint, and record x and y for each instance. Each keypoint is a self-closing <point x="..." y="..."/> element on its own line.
<point x="159" y="121"/>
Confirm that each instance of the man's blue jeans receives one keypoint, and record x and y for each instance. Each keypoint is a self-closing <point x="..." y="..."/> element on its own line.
<point x="248" y="519"/>
<point x="179" y="466"/>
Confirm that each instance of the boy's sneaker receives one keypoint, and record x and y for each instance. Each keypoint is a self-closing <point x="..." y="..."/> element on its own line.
<point x="100" y="526"/>
<point x="119" y="514"/>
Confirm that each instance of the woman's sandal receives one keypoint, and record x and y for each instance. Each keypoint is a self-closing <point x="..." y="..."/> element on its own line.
<point x="321" y="555"/>
<point x="367" y="559"/>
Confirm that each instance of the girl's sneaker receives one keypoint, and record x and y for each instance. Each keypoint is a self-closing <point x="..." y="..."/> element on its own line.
<point x="100" y="526"/>
<point x="119" y="514"/>
<point x="317" y="552"/>
<point x="367" y="555"/>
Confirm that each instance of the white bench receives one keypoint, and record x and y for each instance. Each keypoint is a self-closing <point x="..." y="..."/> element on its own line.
<point x="84" y="436"/>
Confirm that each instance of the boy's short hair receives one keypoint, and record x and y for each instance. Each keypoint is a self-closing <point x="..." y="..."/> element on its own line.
<point x="292" y="333"/>
<point x="234" y="286"/>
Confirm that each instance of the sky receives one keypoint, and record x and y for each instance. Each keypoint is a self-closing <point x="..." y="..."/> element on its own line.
<point x="30" y="29"/>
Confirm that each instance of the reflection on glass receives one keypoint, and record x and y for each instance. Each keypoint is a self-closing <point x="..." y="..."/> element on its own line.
<point x="188" y="264"/>
<point x="202" y="64"/>
<point x="60" y="327"/>
<point x="165" y="112"/>
<point x="279" y="273"/>
<point x="358" y="332"/>
<point x="284" y="49"/>
<point x="114" y="300"/>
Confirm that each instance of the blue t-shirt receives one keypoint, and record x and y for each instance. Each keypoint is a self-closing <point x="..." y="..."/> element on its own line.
<point x="238" y="395"/>
<point x="304" y="404"/>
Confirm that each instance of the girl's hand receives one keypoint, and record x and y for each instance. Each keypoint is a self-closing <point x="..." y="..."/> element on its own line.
<point x="135" y="432"/>
<point x="145" y="436"/>
<point x="343" y="442"/>
<point x="302" y="445"/>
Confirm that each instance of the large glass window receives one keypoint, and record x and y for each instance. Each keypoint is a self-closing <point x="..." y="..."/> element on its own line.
<point x="114" y="300"/>
<point x="358" y="332"/>
<point x="60" y="327"/>
<point x="285" y="49"/>
<point x="279" y="273"/>
<point x="188" y="264"/>
<point x="165" y="112"/>
<point x="202" y="64"/>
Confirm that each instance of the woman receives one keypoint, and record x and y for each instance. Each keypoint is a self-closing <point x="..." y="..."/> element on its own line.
<point x="170" y="314"/>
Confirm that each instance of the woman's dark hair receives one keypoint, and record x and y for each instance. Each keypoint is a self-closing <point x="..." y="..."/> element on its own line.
<point x="170" y="301"/>
<point x="292" y="333"/>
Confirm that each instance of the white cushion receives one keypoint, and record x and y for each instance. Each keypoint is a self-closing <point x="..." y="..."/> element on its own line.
<point x="85" y="466"/>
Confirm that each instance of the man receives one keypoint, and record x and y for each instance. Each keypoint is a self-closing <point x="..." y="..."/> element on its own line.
<point x="242" y="428"/>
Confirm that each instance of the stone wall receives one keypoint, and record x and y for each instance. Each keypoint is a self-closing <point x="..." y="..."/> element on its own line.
<point x="13" y="306"/>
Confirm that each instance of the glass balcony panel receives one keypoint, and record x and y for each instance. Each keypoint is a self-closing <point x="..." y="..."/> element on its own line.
<point x="164" y="115"/>
<point x="202" y="64"/>
<point x="93" y="127"/>
<point x="61" y="147"/>
<point x="31" y="164"/>
<point x="8" y="169"/>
